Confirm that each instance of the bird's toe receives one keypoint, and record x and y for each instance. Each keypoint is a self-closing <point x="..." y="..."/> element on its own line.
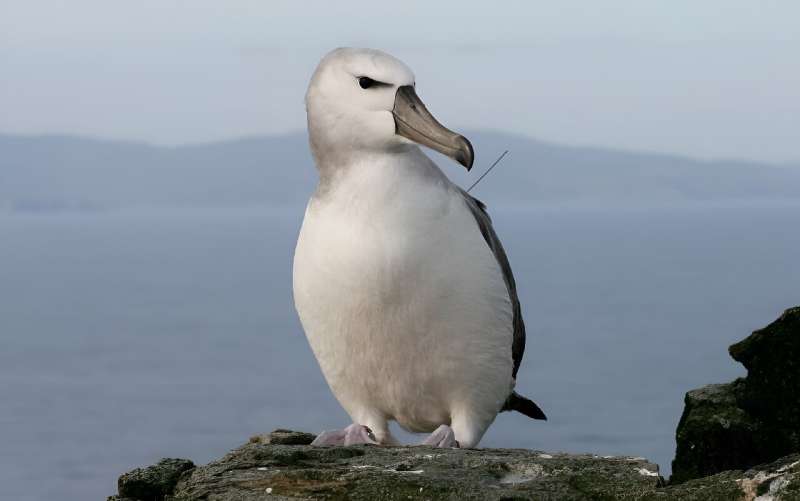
<point x="442" y="437"/>
<point x="352" y="435"/>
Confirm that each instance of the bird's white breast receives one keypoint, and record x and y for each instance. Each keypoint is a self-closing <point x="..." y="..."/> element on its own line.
<point x="402" y="301"/>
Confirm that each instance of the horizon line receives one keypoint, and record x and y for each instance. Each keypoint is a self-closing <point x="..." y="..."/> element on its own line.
<point x="792" y="164"/>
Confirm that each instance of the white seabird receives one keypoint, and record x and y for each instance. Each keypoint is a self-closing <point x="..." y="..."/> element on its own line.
<point x="400" y="282"/>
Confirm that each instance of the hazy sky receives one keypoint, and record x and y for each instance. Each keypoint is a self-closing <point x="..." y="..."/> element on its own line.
<point x="709" y="79"/>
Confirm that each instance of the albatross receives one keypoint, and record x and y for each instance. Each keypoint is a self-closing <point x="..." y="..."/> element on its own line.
<point x="402" y="287"/>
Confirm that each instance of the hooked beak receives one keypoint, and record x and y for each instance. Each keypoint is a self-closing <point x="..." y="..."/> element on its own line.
<point x="413" y="121"/>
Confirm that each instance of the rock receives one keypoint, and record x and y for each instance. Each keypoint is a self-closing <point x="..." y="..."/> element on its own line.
<point x="726" y="430"/>
<point x="776" y="481"/>
<point x="772" y="393"/>
<point x="285" y="437"/>
<point x="261" y="471"/>
<point x="152" y="483"/>
<point x="276" y="471"/>
<point x="714" y="434"/>
<point x="752" y="420"/>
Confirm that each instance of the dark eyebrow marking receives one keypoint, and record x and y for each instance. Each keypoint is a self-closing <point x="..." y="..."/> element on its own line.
<point x="367" y="82"/>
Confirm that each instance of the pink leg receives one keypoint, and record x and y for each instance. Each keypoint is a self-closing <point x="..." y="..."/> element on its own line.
<point x="442" y="437"/>
<point x="352" y="435"/>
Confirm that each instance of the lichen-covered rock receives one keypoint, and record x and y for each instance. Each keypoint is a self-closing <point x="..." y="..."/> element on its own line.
<point x="269" y="471"/>
<point x="776" y="481"/>
<point x="153" y="483"/>
<point x="752" y="420"/>
<point x="714" y="434"/>
<point x="262" y="471"/>
<point x="285" y="437"/>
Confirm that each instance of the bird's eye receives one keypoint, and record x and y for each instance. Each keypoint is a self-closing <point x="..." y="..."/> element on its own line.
<point x="366" y="82"/>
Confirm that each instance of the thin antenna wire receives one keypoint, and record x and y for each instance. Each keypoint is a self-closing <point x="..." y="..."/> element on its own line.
<point x="488" y="170"/>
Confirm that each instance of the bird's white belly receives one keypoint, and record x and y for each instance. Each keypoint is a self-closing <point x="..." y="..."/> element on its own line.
<point x="406" y="311"/>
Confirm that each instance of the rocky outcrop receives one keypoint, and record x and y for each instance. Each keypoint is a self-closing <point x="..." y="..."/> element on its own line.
<point x="267" y="468"/>
<point x="752" y="420"/>
<point x="725" y="430"/>
<point x="154" y="482"/>
<point x="277" y="466"/>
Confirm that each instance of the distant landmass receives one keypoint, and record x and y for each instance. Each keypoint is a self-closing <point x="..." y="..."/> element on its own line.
<point x="55" y="173"/>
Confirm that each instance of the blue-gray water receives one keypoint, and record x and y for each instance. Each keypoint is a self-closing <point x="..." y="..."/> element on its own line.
<point x="135" y="335"/>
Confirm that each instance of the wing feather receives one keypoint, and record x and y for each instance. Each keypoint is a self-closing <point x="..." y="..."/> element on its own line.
<point x="478" y="210"/>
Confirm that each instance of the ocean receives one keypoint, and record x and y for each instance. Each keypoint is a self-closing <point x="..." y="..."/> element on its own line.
<point x="133" y="335"/>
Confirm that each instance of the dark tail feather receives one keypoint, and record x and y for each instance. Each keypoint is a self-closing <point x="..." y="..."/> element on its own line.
<point x="517" y="402"/>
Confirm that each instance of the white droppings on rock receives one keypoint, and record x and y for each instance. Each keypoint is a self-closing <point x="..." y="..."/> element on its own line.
<point x="775" y="488"/>
<point x="524" y="474"/>
<point x="749" y="486"/>
<point x="545" y="456"/>
<point x="263" y="469"/>
<point x="362" y="466"/>
<point x="415" y="472"/>
<point x="647" y="473"/>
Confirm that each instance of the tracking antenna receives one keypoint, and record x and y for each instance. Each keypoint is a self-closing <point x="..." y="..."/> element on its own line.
<point x="487" y="170"/>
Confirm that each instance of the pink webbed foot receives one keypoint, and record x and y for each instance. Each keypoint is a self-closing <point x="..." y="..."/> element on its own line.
<point x="352" y="435"/>
<point x="442" y="437"/>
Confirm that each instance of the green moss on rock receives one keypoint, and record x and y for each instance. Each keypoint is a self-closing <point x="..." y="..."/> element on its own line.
<point x="772" y="393"/>
<point x="752" y="420"/>
<point x="253" y="472"/>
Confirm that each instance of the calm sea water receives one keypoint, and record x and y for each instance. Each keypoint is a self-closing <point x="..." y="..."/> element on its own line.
<point x="131" y="336"/>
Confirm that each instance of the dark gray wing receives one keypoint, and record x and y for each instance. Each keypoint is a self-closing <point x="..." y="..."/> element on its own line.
<point x="515" y="401"/>
<point x="478" y="210"/>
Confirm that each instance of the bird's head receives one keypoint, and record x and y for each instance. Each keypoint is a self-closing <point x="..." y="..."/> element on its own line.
<point x="363" y="101"/>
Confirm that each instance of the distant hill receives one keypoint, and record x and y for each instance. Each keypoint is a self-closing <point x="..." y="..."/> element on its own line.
<point x="45" y="173"/>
